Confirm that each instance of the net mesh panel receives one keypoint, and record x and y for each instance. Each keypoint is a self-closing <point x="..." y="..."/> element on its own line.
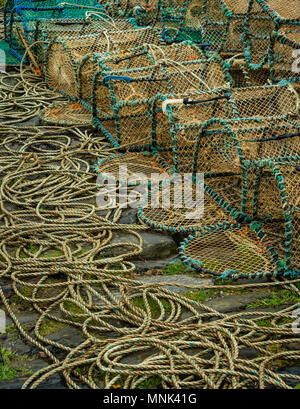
<point x="262" y="18"/>
<point x="48" y="30"/>
<point x="67" y="114"/>
<point x="65" y="55"/>
<point x="251" y="112"/>
<point x="164" y="215"/>
<point x="128" y="106"/>
<point x="284" y="46"/>
<point x="228" y="250"/>
<point x="136" y="163"/>
<point x="134" y="58"/>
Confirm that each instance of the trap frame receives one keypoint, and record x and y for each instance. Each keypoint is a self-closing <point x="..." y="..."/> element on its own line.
<point x="276" y="202"/>
<point x="181" y="20"/>
<point x="251" y="113"/>
<point x="231" y="251"/>
<point x="223" y="24"/>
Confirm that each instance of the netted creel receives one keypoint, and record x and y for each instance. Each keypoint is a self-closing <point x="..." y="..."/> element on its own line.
<point x="143" y="56"/>
<point x="123" y="99"/>
<point x="67" y="114"/>
<point x="284" y="53"/>
<point x="221" y="23"/>
<point x="23" y="17"/>
<point x="263" y="17"/>
<point x="244" y="76"/>
<point x="251" y="113"/>
<point x="63" y="56"/>
<point x="48" y="30"/>
<point x="276" y="202"/>
<point x="137" y="163"/>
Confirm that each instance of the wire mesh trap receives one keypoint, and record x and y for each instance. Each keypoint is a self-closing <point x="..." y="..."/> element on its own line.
<point x="65" y="55"/>
<point x="263" y="17"/>
<point x="123" y="99"/>
<point x="143" y="56"/>
<point x="230" y="251"/>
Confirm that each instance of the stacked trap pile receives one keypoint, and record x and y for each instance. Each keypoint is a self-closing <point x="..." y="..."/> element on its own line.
<point x="20" y="18"/>
<point x="220" y="103"/>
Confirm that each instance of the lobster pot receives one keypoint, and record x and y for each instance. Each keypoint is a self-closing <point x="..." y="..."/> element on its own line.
<point x="181" y="20"/>
<point x="142" y="56"/>
<point x="124" y="101"/>
<point x="234" y="12"/>
<point x="284" y="55"/>
<point x="48" y="30"/>
<point x="264" y="16"/>
<point x="276" y="200"/>
<point x="26" y="17"/>
<point x="67" y="114"/>
<point x="251" y="114"/>
<point x="229" y="250"/>
<point x="64" y="55"/>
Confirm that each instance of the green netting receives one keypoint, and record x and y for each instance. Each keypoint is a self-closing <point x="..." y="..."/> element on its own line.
<point x="181" y="20"/>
